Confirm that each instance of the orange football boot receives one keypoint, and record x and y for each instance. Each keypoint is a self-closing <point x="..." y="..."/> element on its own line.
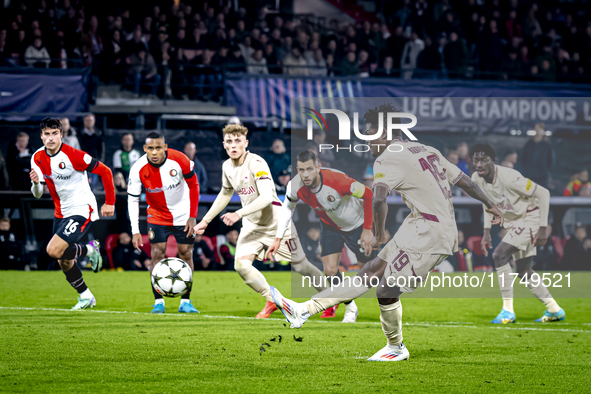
<point x="269" y="308"/>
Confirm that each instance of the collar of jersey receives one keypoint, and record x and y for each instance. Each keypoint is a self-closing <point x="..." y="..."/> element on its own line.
<point x="56" y="153"/>
<point x="161" y="164"/>
<point x="319" y="185"/>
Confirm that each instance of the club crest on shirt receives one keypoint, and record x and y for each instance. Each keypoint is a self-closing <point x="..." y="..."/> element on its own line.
<point x="173" y="172"/>
<point x="62" y="165"/>
<point x="151" y="234"/>
<point x="330" y="198"/>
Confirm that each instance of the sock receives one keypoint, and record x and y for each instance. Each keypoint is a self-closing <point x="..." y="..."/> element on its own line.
<point x="308" y="270"/>
<point x="348" y="303"/>
<point x="335" y="280"/>
<point x="329" y="298"/>
<point x="86" y="294"/>
<point x="159" y="299"/>
<point x="544" y="295"/>
<point x="74" y="277"/>
<point x="186" y="297"/>
<point x="391" y="318"/>
<point x="505" y="282"/>
<point x="253" y="278"/>
<point x="74" y="251"/>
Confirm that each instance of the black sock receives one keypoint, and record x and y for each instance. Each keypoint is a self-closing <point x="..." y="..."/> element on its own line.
<point x="74" y="251"/>
<point x="74" y="277"/>
<point x="335" y="280"/>
<point x="156" y="294"/>
<point x="186" y="296"/>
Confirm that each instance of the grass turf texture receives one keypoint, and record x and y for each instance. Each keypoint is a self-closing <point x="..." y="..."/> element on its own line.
<point x="453" y="346"/>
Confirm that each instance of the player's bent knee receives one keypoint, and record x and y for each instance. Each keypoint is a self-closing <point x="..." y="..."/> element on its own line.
<point x="525" y="273"/>
<point x="387" y="301"/>
<point x="242" y="265"/>
<point x="499" y="258"/>
<point x="54" y="252"/>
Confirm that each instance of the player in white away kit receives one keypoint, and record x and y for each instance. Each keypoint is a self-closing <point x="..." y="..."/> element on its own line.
<point x="525" y="220"/>
<point x="63" y="170"/>
<point x="249" y="175"/>
<point x="344" y="207"/>
<point x="423" y="176"/>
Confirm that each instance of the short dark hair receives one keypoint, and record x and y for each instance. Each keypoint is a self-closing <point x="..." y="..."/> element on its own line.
<point x="307" y="155"/>
<point x="51" y="123"/>
<point x="154" y="136"/>
<point x="372" y="115"/>
<point x="483" y="148"/>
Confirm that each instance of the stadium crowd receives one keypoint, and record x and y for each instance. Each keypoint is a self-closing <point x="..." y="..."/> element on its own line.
<point x="186" y="46"/>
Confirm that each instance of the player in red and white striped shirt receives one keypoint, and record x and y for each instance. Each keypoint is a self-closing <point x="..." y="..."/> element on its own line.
<point x="63" y="170"/>
<point x="172" y="194"/>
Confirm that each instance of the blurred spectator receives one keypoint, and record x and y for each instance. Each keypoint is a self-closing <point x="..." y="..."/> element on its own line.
<point x="490" y="49"/>
<point x="387" y="70"/>
<point x="284" y="178"/>
<point x="203" y="258"/>
<point x="579" y="184"/>
<point x="18" y="162"/>
<point x="36" y="54"/>
<point x="463" y="157"/>
<point x="191" y="152"/>
<point x="228" y="250"/>
<point x="141" y="69"/>
<point x="294" y="63"/>
<point x="316" y="63"/>
<point x="311" y="244"/>
<point x="431" y="58"/>
<point x="537" y="158"/>
<point x="511" y="66"/>
<point x="278" y="159"/>
<point x="455" y="55"/>
<point x="349" y="65"/>
<point x="510" y="160"/>
<point x="91" y="140"/>
<point x="546" y="258"/>
<point x="236" y="62"/>
<point x="120" y="185"/>
<point x="70" y="135"/>
<point x="410" y="53"/>
<point x="125" y="157"/>
<point x="4" y="180"/>
<point x="127" y="257"/>
<point x="257" y="63"/>
<point x="577" y="251"/>
<point x="10" y="247"/>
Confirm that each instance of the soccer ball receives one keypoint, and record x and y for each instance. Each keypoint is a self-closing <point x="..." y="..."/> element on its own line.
<point x="172" y="277"/>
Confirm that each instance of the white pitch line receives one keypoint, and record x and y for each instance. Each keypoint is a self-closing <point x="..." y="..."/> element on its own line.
<point x="417" y="324"/>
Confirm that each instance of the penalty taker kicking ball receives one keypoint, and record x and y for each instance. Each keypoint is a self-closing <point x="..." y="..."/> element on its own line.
<point x="172" y="277"/>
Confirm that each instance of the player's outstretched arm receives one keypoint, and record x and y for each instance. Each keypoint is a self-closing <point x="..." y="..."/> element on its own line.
<point x="476" y="192"/>
<point x="265" y="198"/>
<point x="221" y="202"/>
<point x="543" y="196"/>
<point x="193" y="185"/>
<point x="380" y="211"/>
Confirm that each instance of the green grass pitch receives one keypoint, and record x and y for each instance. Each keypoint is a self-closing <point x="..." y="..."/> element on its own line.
<point x="118" y="347"/>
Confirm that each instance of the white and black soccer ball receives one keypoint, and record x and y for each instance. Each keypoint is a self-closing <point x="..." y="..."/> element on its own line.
<point x="172" y="277"/>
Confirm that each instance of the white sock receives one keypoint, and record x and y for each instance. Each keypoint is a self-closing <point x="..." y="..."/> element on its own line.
<point x="89" y="250"/>
<point x="85" y="294"/>
<point x="351" y="305"/>
<point x="308" y="270"/>
<point x="544" y="295"/>
<point x="184" y="301"/>
<point x="505" y="284"/>
<point x="159" y="301"/>
<point x="329" y="298"/>
<point x="253" y="278"/>
<point x="391" y="318"/>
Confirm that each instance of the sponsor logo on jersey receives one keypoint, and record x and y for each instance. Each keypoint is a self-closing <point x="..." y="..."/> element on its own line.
<point x="528" y="185"/>
<point x="260" y="173"/>
<point x="173" y="172"/>
<point x="246" y="192"/>
<point x="62" y="165"/>
<point x="163" y="188"/>
<point x="57" y="177"/>
<point x="378" y="175"/>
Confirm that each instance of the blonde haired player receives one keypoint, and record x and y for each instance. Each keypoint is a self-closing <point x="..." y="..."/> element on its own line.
<point x="525" y="206"/>
<point x="249" y="176"/>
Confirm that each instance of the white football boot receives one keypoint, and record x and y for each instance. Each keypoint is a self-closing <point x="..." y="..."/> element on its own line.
<point x="351" y="313"/>
<point x="294" y="312"/>
<point x="391" y="353"/>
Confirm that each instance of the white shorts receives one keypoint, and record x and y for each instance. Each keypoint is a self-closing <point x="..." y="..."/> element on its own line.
<point x="522" y="237"/>
<point x="256" y="241"/>
<point x="407" y="270"/>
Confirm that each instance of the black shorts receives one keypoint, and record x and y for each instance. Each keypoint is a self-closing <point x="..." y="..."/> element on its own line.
<point x="71" y="229"/>
<point x="332" y="241"/>
<point x="159" y="233"/>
